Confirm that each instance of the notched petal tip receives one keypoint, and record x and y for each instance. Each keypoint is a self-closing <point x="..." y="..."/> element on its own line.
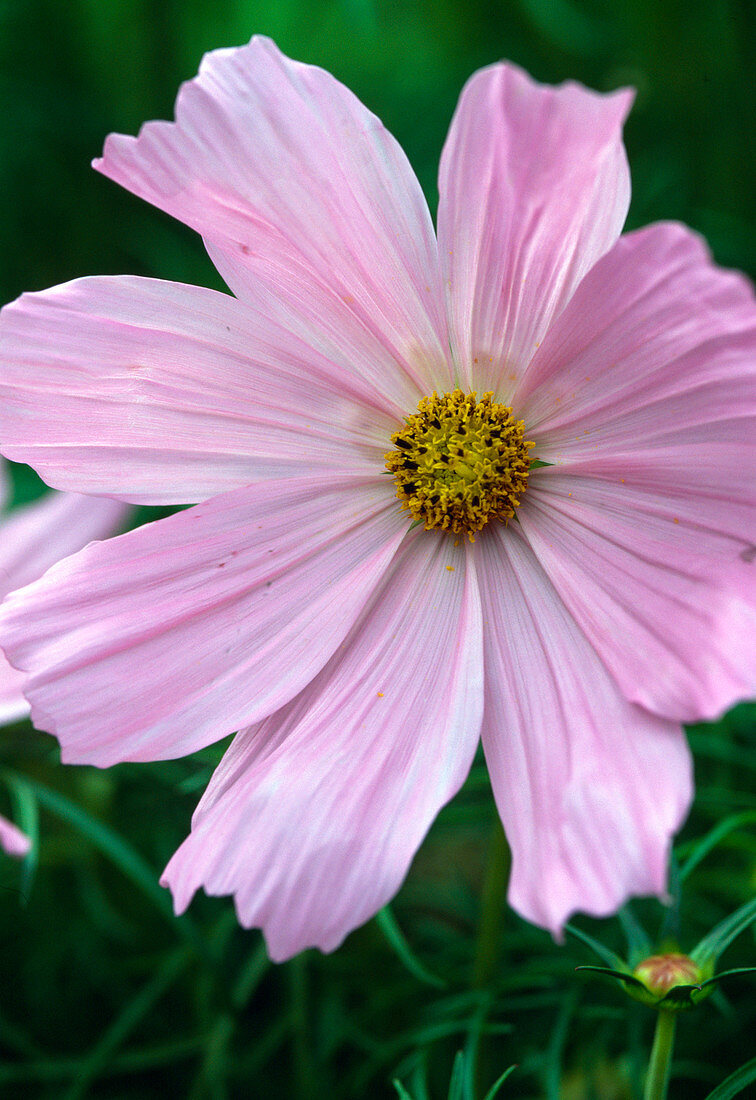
<point x="590" y="788"/>
<point x="534" y="187"/>
<point x="502" y="72"/>
<point x="305" y="203"/>
<point x="314" y="815"/>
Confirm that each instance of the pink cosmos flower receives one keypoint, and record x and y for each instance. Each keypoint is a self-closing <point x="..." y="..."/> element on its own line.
<point x="321" y="420"/>
<point x="33" y="538"/>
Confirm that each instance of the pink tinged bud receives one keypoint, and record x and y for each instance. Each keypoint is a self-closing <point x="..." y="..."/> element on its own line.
<point x="661" y="973"/>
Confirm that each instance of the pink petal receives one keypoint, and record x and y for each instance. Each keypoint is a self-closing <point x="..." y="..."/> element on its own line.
<point x="652" y="358"/>
<point x="163" y="394"/>
<point x="645" y="390"/>
<point x="652" y="581"/>
<point x="534" y="187"/>
<point x="12" y="840"/>
<point x="589" y="787"/>
<point x="174" y="635"/>
<point x="307" y="203"/>
<point x="35" y="536"/>
<point x="312" y="818"/>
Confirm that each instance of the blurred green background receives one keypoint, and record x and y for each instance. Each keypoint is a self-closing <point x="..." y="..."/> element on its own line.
<point x="104" y="994"/>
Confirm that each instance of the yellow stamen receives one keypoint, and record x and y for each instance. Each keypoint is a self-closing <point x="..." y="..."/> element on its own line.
<point x="459" y="463"/>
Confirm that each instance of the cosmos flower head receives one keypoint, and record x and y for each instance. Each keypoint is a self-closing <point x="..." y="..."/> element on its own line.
<point x="491" y="483"/>
<point x="33" y="537"/>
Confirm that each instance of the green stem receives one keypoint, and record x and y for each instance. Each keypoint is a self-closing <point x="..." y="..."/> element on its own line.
<point x="493" y="901"/>
<point x="657" y="1077"/>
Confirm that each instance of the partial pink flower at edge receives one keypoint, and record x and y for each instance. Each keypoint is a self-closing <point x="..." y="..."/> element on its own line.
<point x="366" y="659"/>
<point x="12" y="840"/>
<point x="34" y="536"/>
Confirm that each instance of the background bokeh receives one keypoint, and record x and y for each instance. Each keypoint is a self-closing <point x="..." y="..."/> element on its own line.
<point x="104" y="994"/>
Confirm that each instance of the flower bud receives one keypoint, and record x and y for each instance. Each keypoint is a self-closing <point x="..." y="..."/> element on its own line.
<point x="669" y="981"/>
<point x="660" y="973"/>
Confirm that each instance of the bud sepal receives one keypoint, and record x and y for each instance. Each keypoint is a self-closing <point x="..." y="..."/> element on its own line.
<point x="669" y="980"/>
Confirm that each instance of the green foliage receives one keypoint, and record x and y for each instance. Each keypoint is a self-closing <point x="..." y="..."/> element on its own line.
<point x="108" y="995"/>
<point x="735" y="1083"/>
<point x="719" y="939"/>
<point x="461" y="1086"/>
<point x="105" y="993"/>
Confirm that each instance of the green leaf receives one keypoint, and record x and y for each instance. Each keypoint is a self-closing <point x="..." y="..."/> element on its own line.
<point x="475" y="1030"/>
<point x="707" y="843"/>
<point x="728" y="974"/>
<point x="679" y="996"/>
<point x="401" y="1090"/>
<point x="620" y="975"/>
<point x="638" y="943"/>
<point x="26" y="815"/>
<point x="394" y="935"/>
<point x="735" y="1083"/>
<point x="669" y="928"/>
<point x="720" y="937"/>
<point x="250" y="974"/>
<point x="492" y="1092"/>
<point x="126" y="858"/>
<point x="457" y="1082"/>
<point x="603" y="952"/>
<point x="552" y="1068"/>
<point x="130" y="1016"/>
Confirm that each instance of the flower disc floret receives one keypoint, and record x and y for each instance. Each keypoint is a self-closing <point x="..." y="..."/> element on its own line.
<point x="460" y="462"/>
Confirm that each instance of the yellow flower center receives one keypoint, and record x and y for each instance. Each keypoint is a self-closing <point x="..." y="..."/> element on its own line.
<point x="459" y="462"/>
